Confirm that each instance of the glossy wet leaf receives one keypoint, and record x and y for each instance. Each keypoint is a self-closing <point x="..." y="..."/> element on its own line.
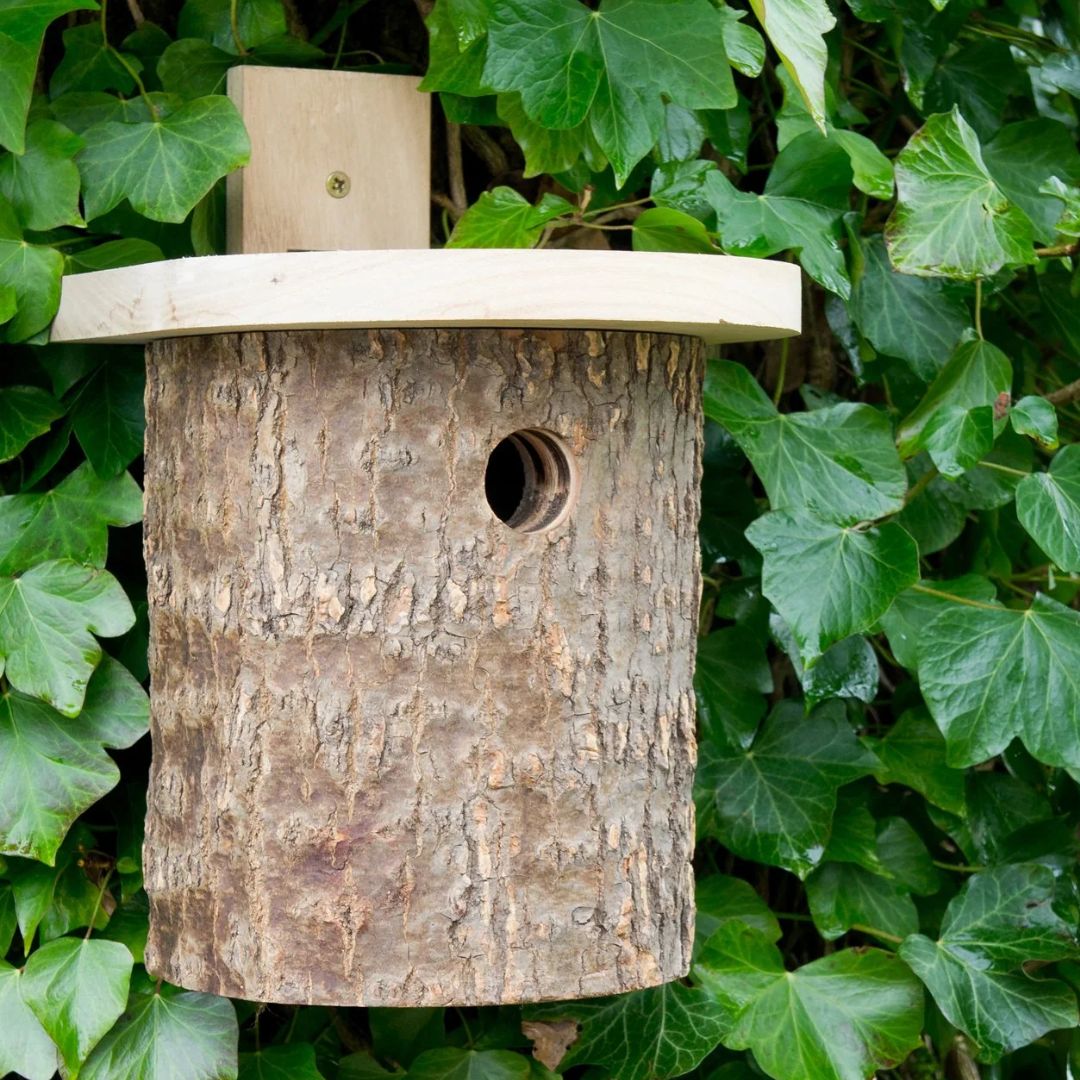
<point x="843" y="895"/>
<point x="77" y="989"/>
<point x="156" y="1032"/>
<point x="1035" y="417"/>
<point x="839" y="461"/>
<point x="25" y="1048"/>
<point x="792" y="1020"/>
<point x="504" y="219"/>
<point x="774" y="802"/>
<point x="653" y="1034"/>
<point x="162" y="167"/>
<point x="951" y="219"/>
<point x="107" y="413"/>
<point x="848" y="669"/>
<point x="917" y="319"/>
<point x="721" y="898"/>
<point x="1048" y="505"/>
<point x="1001" y="919"/>
<point x="957" y="438"/>
<point x="977" y="374"/>
<point x="69" y="522"/>
<point x="25" y="413"/>
<point x="731" y="678"/>
<point x="762" y="225"/>
<point x="990" y="674"/>
<point x="48" y="617"/>
<point x="663" y="229"/>
<point x="857" y="571"/>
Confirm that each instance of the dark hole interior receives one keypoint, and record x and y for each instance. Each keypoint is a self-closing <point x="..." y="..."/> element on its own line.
<point x="504" y="480"/>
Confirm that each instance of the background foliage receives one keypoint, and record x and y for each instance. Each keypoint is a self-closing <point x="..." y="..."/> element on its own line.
<point x="889" y="667"/>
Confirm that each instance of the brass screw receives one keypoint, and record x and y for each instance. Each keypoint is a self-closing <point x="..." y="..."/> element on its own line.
<point x="338" y="184"/>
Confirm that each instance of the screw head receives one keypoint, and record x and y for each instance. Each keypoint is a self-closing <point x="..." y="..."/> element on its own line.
<point x="338" y="184"/>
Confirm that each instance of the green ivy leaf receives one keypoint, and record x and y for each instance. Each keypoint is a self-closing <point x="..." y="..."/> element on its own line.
<point x="107" y="412"/>
<point x="743" y="44"/>
<point x="69" y="522"/>
<point x="721" y="899"/>
<point x="951" y="219"/>
<point x="762" y="225"/>
<point x="1048" y="505"/>
<point x="957" y="438"/>
<point x="653" y="1034"/>
<point x="547" y="150"/>
<point x="257" y="22"/>
<point x="857" y="572"/>
<point x="22" y="29"/>
<point x="662" y="229"/>
<point x="990" y="674"/>
<point x="838" y="1018"/>
<point x="1035" y="417"/>
<point x="612" y="65"/>
<point x="977" y="374"/>
<point x="918" y="320"/>
<point x="33" y="271"/>
<point x="453" y="68"/>
<point x="1068" y="195"/>
<point x="25" y="413"/>
<point x="848" y="669"/>
<point x="797" y="28"/>
<point x="111" y="254"/>
<point x="162" y="167"/>
<point x="56" y="899"/>
<point x="451" y="1063"/>
<point x="904" y="856"/>
<point x="194" y="68"/>
<point x="1001" y="919"/>
<point x="25" y="1048"/>
<point x="90" y="63"/>
<point x="838" y="461"/>
<point x="42" y="184"/>
<point x="77" y="989"/>
<point x="1023" y="157"/>
<point x="774" y="802"/>
<point x="912" y="753"/>
<point x="53" y="768"/>
<point x="502" y="218"/>
<point x="842" y="895"/>
<point x="156" y="1032"/>
<point x="46" y="619"/>
<point x="731" y="678"/>
<point x="293" y="1061"/>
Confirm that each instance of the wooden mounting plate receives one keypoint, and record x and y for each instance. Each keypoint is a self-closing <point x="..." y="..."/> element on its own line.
<point x="715" y="297"/>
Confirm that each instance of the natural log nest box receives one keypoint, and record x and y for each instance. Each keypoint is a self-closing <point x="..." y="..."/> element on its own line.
<point x="421" y="537"/>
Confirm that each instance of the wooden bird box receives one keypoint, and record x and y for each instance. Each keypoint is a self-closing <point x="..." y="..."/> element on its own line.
<point x="421" y="538"/>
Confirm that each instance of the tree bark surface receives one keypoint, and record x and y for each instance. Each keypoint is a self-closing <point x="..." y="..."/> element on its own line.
<point x="404" y="754"/>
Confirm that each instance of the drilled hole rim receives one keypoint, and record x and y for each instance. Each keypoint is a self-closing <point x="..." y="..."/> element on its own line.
<point x="550" y="481"/>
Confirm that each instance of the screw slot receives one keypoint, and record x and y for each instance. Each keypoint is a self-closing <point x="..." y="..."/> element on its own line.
<point x="531" y="480"/>
<point x="338" y="184"/>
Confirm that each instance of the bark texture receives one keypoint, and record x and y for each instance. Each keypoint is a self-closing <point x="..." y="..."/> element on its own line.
<point x="404" y="754"/>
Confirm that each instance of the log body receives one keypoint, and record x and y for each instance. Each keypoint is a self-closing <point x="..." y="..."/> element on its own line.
<point x="403" y="753"/>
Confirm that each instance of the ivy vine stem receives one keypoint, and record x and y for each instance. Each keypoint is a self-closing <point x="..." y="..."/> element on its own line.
<point x="954" y="598"/>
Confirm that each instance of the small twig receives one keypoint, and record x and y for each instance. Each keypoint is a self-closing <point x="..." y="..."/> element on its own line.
<point x="1059" y="250"/>
<point x="234" y="25"/>
<point x="978" y="308"/>
<point x="956" y="599"/>
<point x="959" y="868"/>
<point x="137" y="15"/>
<point x="444" y="202"/>
<point x="1066" y="394"/>
<point x="455" y="169"/>
<point x="487" y="150"/>
<point x="921" y="484"/>
<point x="874" y="932"/>
<point x="97" y="905"/>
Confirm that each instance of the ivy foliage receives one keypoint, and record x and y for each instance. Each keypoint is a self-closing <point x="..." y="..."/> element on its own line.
<point x="888" y="675"/>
